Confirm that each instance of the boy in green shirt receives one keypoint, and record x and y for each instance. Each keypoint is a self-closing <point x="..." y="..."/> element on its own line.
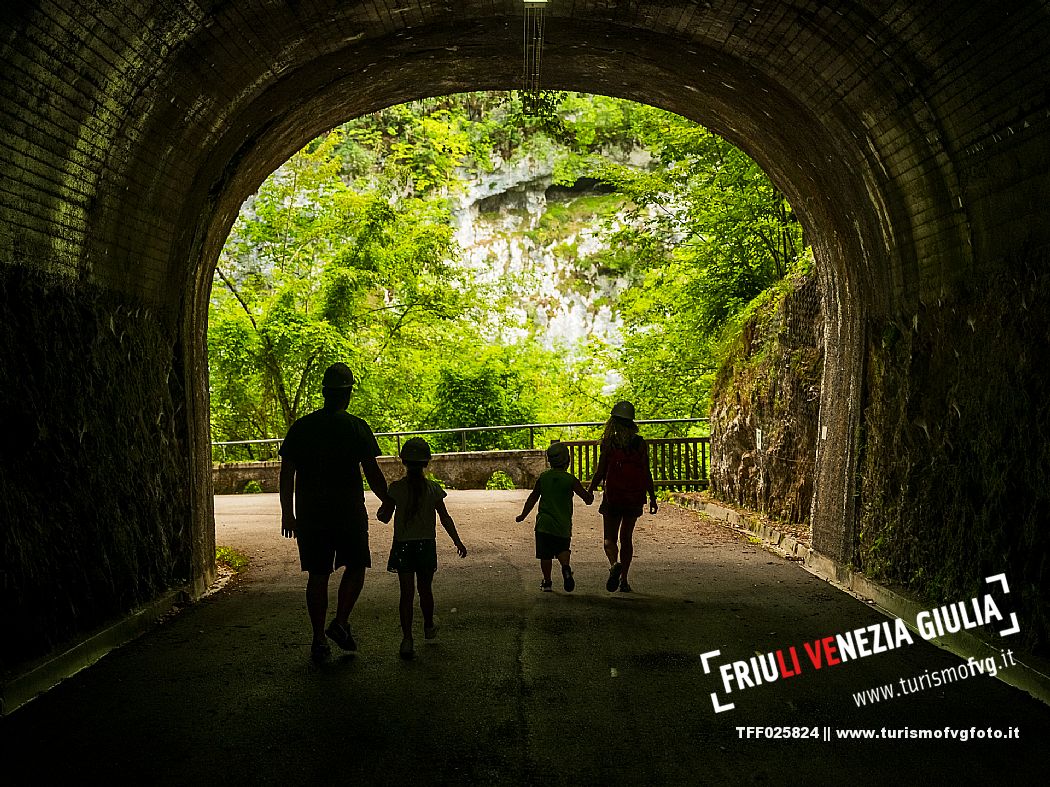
<point x="554" y="490"/>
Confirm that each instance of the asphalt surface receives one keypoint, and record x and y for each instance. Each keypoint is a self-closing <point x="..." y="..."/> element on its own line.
<point x="520" y="687"/>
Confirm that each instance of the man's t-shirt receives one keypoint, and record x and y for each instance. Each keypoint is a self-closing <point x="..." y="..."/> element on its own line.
<point x="327" y="447"/>
<point x="555" y="514"/>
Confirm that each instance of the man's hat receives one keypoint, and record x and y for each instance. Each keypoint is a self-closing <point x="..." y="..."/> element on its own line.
<point x="558" y="454"/>
<point x="623" y="410"/>
<point x="338" y="375"/>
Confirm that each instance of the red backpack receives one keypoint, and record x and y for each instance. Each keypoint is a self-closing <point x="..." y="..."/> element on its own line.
<point x="627" y="477"/>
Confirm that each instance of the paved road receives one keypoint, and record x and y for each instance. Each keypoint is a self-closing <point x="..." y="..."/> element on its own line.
<point x="520" y="688"/>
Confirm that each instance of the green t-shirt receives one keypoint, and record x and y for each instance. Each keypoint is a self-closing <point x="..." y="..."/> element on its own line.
<point x="555" y="514"/>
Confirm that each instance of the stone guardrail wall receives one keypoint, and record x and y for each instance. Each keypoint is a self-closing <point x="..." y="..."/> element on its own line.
<point x="467" y="470"/>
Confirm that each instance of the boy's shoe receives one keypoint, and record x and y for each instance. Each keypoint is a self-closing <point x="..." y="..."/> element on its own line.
<point x="614" y="577"/>
<point x="624" y="587"/>
<point x="341" y="636"/>
<point x="566" y="574"/>
<point x="429" y="632"/>
<point x="546" y="585"/>
<point x="407" y="650"/>
<point x="320" y="651"/>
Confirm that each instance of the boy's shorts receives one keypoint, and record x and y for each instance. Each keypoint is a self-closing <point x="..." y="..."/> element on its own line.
<point x="322" y="550"/>
<point x="550" y="546"/>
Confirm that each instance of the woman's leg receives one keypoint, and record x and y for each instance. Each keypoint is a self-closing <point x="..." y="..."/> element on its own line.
<point x="407" y="580"/>
<point x="626" y="546"/>
<point x="611" y="526"/>
<point x="426" y="596"/>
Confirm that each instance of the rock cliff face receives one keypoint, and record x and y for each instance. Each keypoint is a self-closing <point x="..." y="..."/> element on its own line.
<point x="542" y="245"/>
<point x="764" y="406"/>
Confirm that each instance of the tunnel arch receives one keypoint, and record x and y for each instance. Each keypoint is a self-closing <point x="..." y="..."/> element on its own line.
<point x="901" y="135"/>
<point x="855" y="212"/>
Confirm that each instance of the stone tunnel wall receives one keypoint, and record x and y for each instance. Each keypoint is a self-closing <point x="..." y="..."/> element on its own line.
<point x="770" y="382"/>
<point x="93" y="511"/>
<point x="956" y="446"/>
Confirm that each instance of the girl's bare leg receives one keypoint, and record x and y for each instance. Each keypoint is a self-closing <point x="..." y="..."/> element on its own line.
<point x="407" y="580"/>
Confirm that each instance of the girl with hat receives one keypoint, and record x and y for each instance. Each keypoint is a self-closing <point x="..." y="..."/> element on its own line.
<point x="416" y="502"/>
<point x="623" y="468"/>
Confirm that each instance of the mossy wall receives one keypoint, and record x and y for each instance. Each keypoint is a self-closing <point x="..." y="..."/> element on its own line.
<point x="94" y="518"/>
<point x="955" y="465"/>
<point x="770" y="382"/>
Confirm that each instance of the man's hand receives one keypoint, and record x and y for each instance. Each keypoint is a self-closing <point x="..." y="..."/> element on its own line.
<point x="385" y="512"/>
<point x="288" y="525"/>
<point x="461" y="549"/>
<point x="652" y="505"/>
<point x="520" y="517"/>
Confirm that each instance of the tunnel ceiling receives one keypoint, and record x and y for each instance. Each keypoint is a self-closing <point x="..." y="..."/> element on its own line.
<point x="138" y="129"/>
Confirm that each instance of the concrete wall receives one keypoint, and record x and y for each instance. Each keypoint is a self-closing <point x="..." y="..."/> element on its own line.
<point x="467" y="470"/>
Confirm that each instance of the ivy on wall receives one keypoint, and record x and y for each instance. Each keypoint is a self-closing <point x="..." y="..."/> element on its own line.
<point x="956" y="447"/>
<point x="769" y="383"/>
<point x="95" y="519"/>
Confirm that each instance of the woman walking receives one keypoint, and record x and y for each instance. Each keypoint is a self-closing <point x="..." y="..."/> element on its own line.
<point x="623" y="469"/>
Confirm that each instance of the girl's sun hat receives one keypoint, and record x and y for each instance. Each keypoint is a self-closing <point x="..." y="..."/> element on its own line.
<point x="415" y="449"/>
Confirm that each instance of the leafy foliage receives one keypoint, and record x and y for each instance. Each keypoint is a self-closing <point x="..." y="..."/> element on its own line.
<point x="500" y="480"/>
<point x="709" y="233"/>
<point x="347" y="252"/>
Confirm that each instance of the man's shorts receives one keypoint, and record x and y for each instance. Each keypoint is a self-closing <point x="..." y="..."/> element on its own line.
<point x="323" y="549"/>
<point x="550" y="546"/>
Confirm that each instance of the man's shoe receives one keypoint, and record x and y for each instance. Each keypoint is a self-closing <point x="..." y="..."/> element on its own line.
<point x="614" y="577"/>
<point x="546" y="585"/>
<point x="429" y="632"/>
<point x="341" y="636"/>
<point x="566" y="575"/>
<point x="320" y="651"/>
<point x="624" y="587"/>
<point x="407" y="650"/>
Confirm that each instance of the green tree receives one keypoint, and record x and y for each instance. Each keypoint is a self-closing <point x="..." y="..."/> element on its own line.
<point x="707" y="234"/>
<point x="488" y="391"/>
<point x="314" y="272"/>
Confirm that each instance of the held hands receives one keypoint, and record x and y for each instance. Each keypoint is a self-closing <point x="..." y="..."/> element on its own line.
<point x="288" y="525"/>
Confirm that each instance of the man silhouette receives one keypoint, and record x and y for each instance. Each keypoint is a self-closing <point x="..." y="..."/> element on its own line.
<point x="323" y="506"/>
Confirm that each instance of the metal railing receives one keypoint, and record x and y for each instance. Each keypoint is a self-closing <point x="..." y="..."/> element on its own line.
<point x="677" y="463"/>
<point x="266" y="449"/>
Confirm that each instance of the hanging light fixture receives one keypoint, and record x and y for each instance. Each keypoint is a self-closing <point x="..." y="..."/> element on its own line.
<point x="531" y="99"/>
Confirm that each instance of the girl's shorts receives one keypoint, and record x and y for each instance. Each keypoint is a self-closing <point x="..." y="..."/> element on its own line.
<point x="549" y="546"/>
<point x="416" y="555"/>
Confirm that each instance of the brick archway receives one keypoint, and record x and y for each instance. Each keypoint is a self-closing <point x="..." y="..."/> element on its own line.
<point x="913" y="144"/>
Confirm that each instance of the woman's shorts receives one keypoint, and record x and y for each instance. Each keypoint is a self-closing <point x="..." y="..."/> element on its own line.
<point x="621" y="511"/>
<point x="415" y="555"/>
<point x="549" y="546"/>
